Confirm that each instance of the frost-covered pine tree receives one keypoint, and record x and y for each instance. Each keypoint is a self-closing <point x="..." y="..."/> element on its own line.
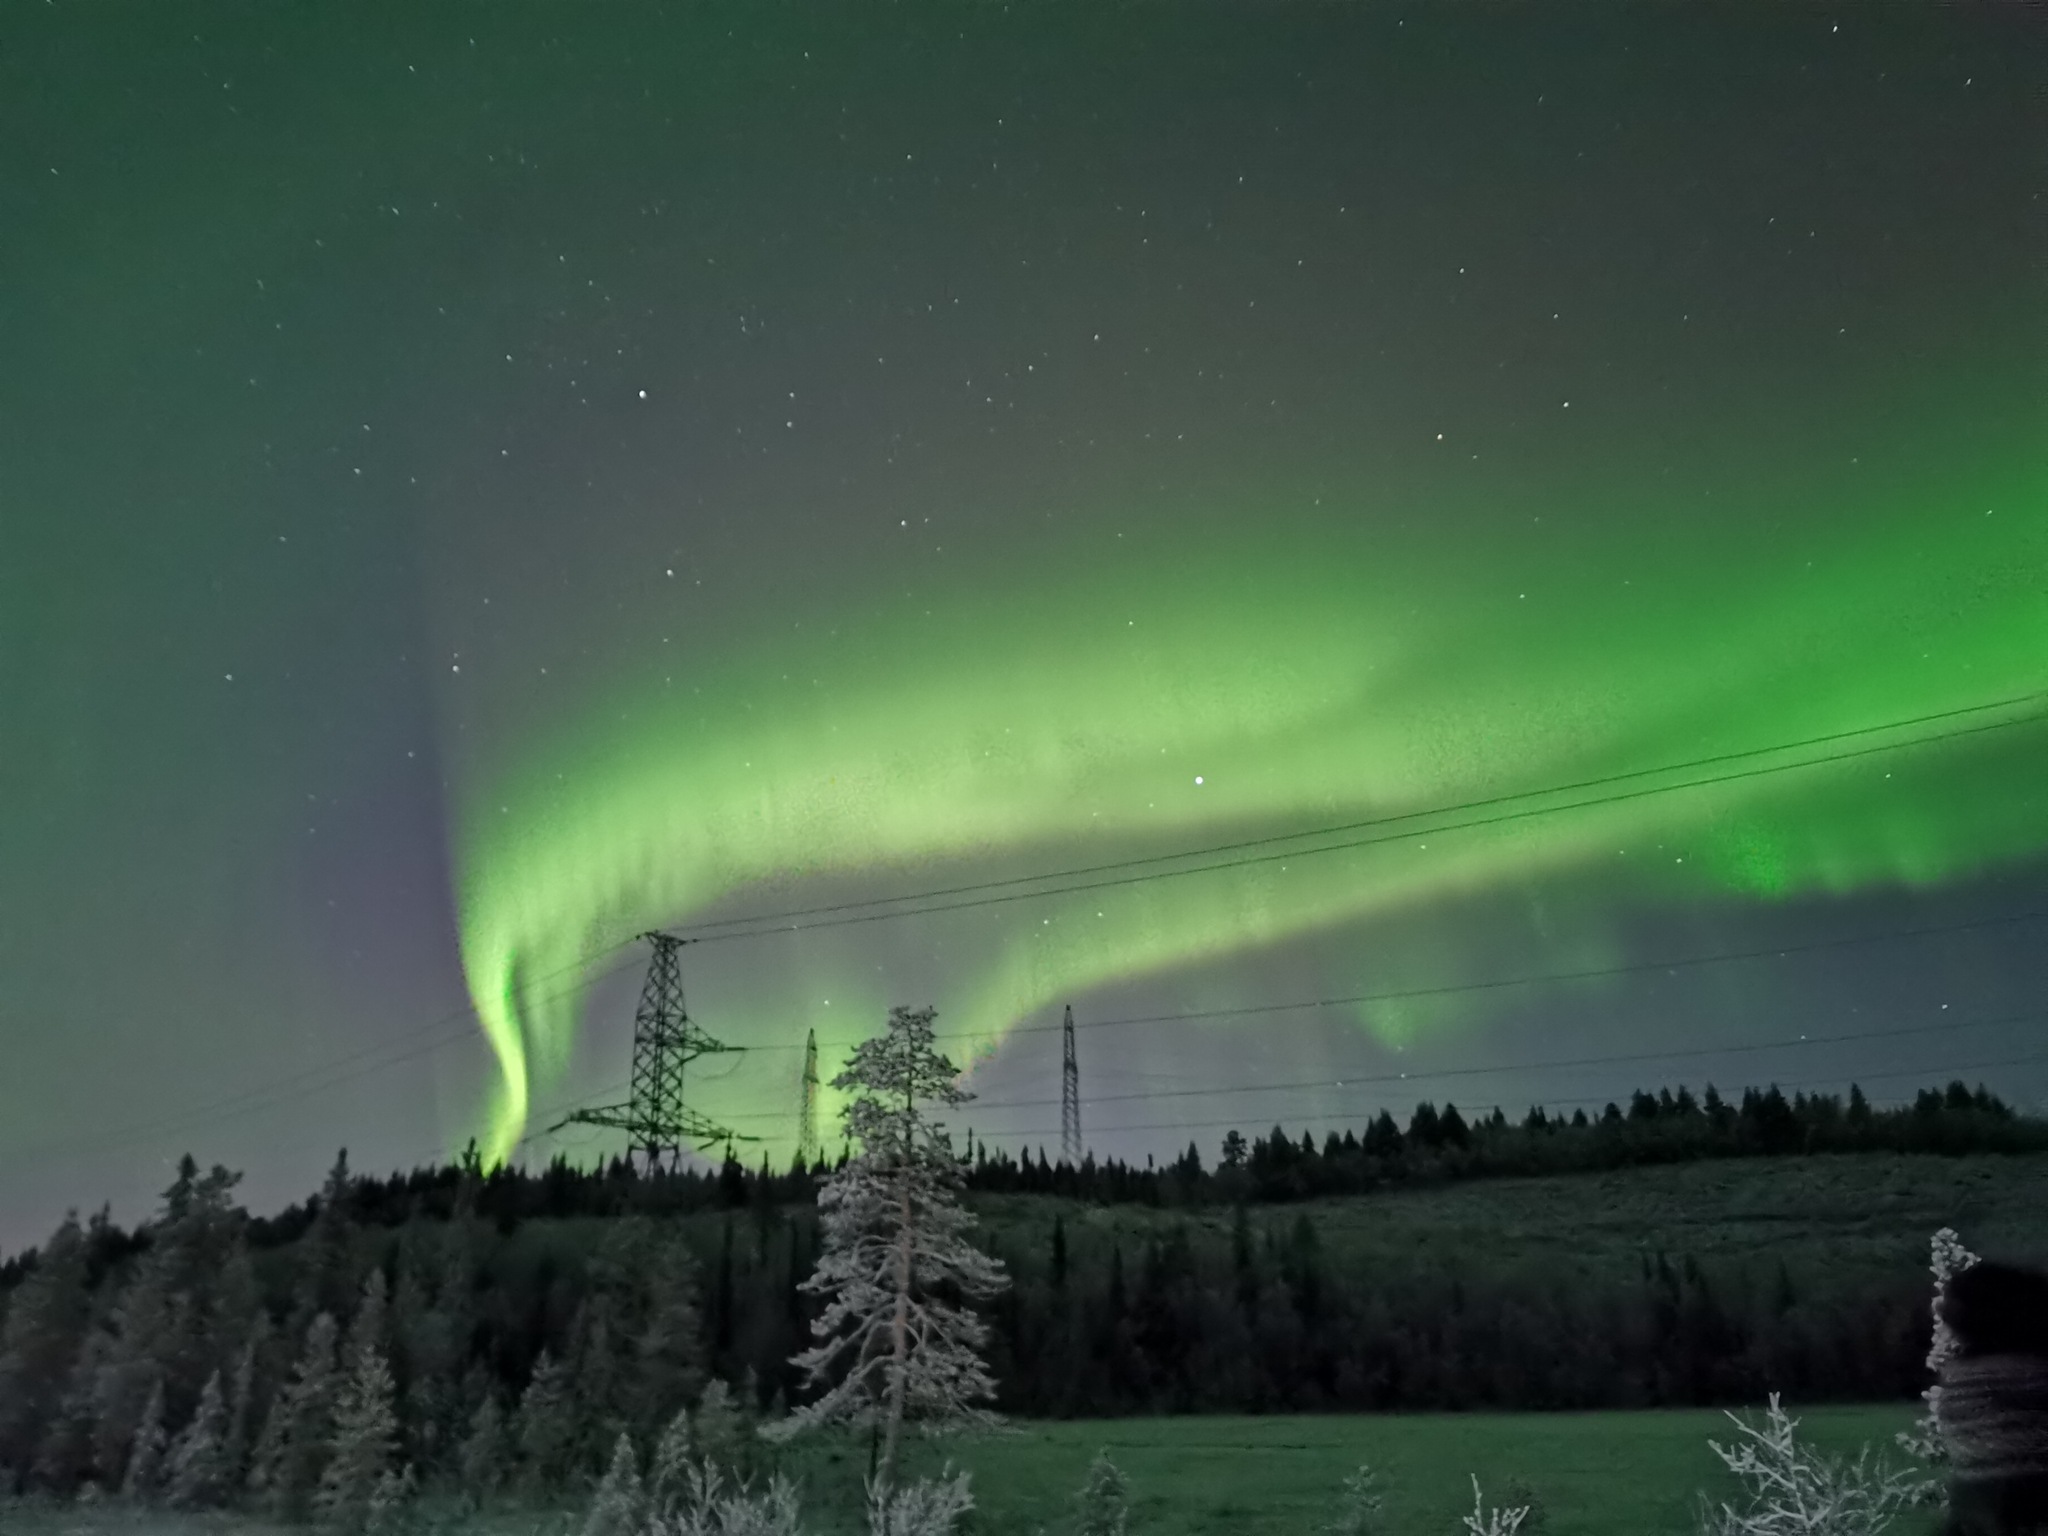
<point x="928" y="1507"/>
<point x="1948" y="1258"/>
<point x="1792" y="1490"/>
<point x="45" y="1324"/>
<point x="196" y="1472"/>
<point x="365" y="1443"/>
<point x="486" y="1457"/>
<point x="547" y="1424"/>
<point x="1104" y="1500"/>
<point x="146" y="1455"/>
<point x="298" y="1433"/>
<point x="669" y="1353"/>
<point x="267" y="1456"/>
<point x="63" y="1465"/>
<point x="187" y="1302"/>
<point x="668" y="1475"/>
<point x="894" y="1250"/>
<point x="235" y="1447"/>
<point x="388" y="1501"/>
<point x="710" y="1506"/>
<point x="708" y="1503"/>
<point x="1359" y="1506"/>
<point x="620" y="1507"/>
<point x="719" y="1431"/>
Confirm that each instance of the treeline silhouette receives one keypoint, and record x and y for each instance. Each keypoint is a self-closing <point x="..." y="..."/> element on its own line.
<point x="1436" y="1146"/>
<point x="1439" y="1145"/>
<point x="525" y="1317"/>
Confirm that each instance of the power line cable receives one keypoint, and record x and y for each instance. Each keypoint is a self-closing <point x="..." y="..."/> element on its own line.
<point x="1500" y="819"/>
<point x="709" y="929"/>
<point x="1446" y="989"/>
<point x="776" y="924"/>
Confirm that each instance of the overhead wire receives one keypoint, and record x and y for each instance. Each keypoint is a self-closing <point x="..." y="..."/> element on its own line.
<point x="370" y="1060"/>
<point x="1447" y="989"/>
<point x="713" y="928"/>
<point x="773" y="924"/>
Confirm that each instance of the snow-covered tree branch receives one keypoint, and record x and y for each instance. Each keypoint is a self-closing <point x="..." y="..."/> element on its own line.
<point x="1947" y="1259"/>
<point x="1792" y="1490"/>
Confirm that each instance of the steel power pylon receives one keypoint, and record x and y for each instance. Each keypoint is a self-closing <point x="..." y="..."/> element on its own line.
<point x="807" y="1105"/>
<point x="657" y="1123"/>
<point x="1070" y="1095"/>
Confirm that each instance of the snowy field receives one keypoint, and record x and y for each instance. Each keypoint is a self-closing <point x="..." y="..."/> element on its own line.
<point x="1598" y="1474"/>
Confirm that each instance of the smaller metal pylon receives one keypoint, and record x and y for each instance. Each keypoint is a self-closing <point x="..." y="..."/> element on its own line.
<point x="807" y="1151"/>
<point x="1070" y="1096"/>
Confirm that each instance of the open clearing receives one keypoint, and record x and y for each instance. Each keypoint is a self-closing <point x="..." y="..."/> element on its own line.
<point x="1596" y="1474"/>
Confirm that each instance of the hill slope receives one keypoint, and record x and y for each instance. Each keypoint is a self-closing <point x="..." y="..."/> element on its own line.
<point x="1699" y="1283"/>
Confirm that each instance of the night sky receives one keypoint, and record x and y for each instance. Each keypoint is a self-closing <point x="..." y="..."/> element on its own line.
<point x="480" y="481"/>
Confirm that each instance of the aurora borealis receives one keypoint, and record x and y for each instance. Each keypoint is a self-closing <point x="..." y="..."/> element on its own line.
<point x="1184" y="708"/>
<point x="481" y="484"/>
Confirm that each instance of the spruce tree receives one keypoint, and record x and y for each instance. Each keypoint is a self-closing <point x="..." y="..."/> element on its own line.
<point x="388" y="1500"/>
<point x="486" y="1458"/>
<point x="547" y="1425"/>
<point x="670" y="1349"/>
<point x="417" y="1353"/>
<point x="1359" y="1506"/>
<point x="668" y="1478"/>
<point x="600" y="1386"/>
<point x="235" y="1446"/>
<point x="267" y="1457"/>
<point x="365" y="1439"/>
<point x="64" y="1461"/>
<point x="326" y="1251"/>
<point x="144" y="1475"/>
<point x="719" y="1430"/>
<point x="188" y="1305"/>
<point x="45" y="1327"/>
<point x="619" y="1508"/>
<point x="1104" y="1499"/>
<point x="368" y="1328"/>
<point x="196" y="1472"/>
<point x="297" y="1435"/>
<point x="895" y="1255"/>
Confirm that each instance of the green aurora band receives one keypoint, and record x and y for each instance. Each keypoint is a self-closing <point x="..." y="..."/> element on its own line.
<point x="1280" y="682"/>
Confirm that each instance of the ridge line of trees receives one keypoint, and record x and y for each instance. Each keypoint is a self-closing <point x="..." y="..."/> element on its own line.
<point x="1438" y="1145"/>
<point x="493" y="1330"/>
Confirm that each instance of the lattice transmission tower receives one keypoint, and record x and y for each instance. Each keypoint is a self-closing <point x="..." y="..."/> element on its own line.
<point x="1070" y="1095"/>
<point x="658" y="1125"/>
<point x="807" y="1106"/>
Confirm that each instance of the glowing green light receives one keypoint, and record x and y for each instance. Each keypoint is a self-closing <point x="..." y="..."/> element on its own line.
<point x="1261" y="686"/>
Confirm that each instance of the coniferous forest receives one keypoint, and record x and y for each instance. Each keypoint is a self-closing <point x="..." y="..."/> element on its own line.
<point x="497" y="1330"/>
